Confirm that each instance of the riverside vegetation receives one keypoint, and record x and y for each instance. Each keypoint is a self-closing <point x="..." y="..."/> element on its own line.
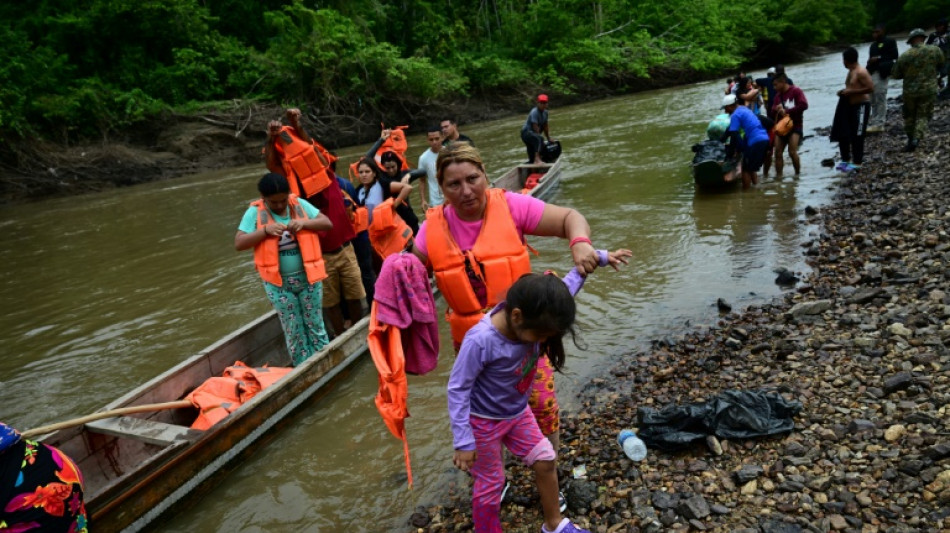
<point x="97" y="93"/>
<point x="863" y="342"/>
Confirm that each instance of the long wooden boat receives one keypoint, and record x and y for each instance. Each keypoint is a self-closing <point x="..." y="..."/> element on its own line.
<point x="136" y="468"/>
<point x="139" y="467"/>
<point x="516" y="178"/>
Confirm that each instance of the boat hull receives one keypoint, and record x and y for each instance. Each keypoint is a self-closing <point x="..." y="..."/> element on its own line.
<point x="134" y="473"/>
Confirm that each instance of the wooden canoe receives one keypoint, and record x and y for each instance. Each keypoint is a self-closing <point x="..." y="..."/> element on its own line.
<point x="515" y="178"/>
<point x="139" y="467"/>
<point x="136" y="468"/>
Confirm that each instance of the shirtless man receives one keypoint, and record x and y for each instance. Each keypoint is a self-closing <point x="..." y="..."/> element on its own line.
<point x="858" y="88"/>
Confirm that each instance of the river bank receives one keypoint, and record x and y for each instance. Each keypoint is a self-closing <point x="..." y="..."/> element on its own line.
<point x="231" y="134"/>
<point x="175" y="145"/>
<point x="861" y="342"/>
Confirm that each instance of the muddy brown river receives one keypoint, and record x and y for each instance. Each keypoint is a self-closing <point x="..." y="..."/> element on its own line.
<point x="104" y="291"/>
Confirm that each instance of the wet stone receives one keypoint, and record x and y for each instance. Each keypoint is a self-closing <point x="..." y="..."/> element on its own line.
<point x="778" y="526"/>
<point x="718" y="509"/>
<point x="861" y="426"/>
<point x="810" y="308"/>
<point x="897" y="382"/>
<point x="580" y="494"/>
<point x="795" y="449"/>
<point x="665" y="500"/>
<point x="748" y="473"/>
<point x="693" y="507"/>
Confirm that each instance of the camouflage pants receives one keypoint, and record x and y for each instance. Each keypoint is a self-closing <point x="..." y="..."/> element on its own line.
<point x="917" y="111"/>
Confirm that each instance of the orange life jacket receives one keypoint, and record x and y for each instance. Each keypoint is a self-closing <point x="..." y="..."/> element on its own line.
<point x="359" y="215"/>
<point x="395" y="143"/>
<point x="218" y="397"/>
<point x="385" y="346"/>
<point x="309" y="162"/>
<point x="499" y="257"/>
<point x="266" y="256"/>
<point x="388" y="232"/>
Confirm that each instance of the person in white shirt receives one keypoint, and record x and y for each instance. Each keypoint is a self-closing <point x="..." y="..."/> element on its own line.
<point x="430" y="192"/>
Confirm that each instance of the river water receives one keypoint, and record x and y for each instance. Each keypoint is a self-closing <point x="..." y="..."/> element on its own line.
<point x="104" y="291"/>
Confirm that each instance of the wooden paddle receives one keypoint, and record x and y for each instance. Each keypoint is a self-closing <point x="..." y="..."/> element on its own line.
<point x="106" y="414"/>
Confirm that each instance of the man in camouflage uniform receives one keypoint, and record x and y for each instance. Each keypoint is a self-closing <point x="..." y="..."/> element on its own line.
<point x="918" y="67"/>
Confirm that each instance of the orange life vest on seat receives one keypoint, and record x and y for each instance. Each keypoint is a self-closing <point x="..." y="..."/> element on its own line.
<point x="218" y="397"/>
<point x="499" y="257"/>
<point x="266" y="256"/>
<point x="309" y="162"/>
<point x="388" y="232"/>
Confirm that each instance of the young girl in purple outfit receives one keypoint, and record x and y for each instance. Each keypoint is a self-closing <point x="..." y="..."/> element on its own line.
<point x="489" y="387"/>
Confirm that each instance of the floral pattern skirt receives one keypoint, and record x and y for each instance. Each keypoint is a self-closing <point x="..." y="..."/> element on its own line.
<point x="299" y="306"/>
<point x="543" y="400"/>
<point x="41" y="490"/>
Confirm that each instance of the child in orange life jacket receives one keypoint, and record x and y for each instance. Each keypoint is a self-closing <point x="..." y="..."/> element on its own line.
<point x="489" y="386"/>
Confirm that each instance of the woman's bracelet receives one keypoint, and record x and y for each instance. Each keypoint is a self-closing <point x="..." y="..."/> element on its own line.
<point x="576" y="240"/>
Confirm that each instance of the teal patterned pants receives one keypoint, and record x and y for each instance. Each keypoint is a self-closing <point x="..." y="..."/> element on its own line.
<point x="299" y="306"/>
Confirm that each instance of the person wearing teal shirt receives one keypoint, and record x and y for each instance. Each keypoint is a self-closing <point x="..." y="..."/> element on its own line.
<point x="298" y="301"/>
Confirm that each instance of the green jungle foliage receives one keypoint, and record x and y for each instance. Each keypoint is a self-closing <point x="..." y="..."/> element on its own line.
<point x="85" y="69"/>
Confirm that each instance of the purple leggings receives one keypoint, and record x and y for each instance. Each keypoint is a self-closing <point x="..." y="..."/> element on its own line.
<point x="522" y="436"/>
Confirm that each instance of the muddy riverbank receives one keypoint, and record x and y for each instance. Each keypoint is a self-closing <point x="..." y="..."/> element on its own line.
<point x="861" y="342"/>
<point x="232" y="134"/>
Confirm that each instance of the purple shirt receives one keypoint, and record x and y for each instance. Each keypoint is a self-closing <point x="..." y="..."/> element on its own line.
<point x="489" y="367"/>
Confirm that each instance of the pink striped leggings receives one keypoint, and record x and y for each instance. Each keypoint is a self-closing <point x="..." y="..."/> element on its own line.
<point x="524" y="439"/>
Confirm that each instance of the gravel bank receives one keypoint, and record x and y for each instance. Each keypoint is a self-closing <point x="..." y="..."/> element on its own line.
<point x="863" y="342"/>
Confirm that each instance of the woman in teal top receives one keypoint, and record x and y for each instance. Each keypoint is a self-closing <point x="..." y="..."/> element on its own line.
<point x="297" y="299"/>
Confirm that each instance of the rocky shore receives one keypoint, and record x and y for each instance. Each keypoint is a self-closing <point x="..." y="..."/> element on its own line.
<point x="863" y="343"/>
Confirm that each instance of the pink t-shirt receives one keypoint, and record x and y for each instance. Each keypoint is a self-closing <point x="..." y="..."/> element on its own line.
<point x="525" y="210"/>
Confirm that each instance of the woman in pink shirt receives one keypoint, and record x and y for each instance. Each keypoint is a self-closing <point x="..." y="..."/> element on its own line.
<point x="464" y="183"/>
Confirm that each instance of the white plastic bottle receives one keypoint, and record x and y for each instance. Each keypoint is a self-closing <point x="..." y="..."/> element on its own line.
<point x="635" y="449"/>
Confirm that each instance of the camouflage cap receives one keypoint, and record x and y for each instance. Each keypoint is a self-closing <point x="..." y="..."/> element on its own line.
<point x="916" y="32"/>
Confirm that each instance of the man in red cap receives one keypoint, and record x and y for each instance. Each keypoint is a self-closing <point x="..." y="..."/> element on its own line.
<point x="536" y="124"/>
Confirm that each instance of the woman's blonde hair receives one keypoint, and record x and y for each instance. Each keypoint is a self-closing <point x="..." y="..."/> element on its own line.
<point x="457" y="152"/>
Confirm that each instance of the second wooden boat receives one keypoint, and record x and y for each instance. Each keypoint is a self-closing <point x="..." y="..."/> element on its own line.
<point x="547" y="174"/>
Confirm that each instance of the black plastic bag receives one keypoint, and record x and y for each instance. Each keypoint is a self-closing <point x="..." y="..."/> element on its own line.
<point x="709" y="151"/>
<point x="731" y="415"/>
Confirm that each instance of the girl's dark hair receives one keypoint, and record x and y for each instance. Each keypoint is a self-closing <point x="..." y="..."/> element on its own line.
<point x="273" y="183"/>
<point x="547" y="306"/>
<point x="388" y="157"/>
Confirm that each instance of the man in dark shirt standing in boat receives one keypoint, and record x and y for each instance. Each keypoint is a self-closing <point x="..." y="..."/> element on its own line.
<point x="450" y="132"/>
<point x="534" y="127"/>
<point x="881" y="58"/>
